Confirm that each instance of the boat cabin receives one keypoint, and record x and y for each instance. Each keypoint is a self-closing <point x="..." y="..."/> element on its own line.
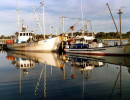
<point x="83" y="39"/>
<point x="83" y="42"/>
<point x="23" y="37"/>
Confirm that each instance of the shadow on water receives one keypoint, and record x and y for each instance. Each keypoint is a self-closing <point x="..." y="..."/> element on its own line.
<point x="70" y="76"/>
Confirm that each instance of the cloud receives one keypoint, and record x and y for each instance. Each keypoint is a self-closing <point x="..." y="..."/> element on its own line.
<point x="95" y="10"/>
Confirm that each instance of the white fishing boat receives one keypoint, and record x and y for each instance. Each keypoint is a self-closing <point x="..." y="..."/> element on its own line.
<point x="24" y="41"/>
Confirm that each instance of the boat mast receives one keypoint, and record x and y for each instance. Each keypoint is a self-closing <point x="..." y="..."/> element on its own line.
<point x="43" y="18"/>
<point x="63" y="24"/>
<point x="18" y="15"/>
<point x="82" y="16"/>
<point x="56" y="32"/>
<point x="51" y="30"/>
<point x="114" y="21"/>
<point x="120" y="12"/>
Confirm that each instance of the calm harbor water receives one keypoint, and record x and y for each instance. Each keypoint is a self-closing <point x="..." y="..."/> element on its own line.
<point x="50" y="76"/>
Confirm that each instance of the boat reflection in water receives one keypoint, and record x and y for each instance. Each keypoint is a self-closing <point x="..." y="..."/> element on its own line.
<point x="29" y="60"/>
<point x="73" y="66"/>
<point x="85" y="65"/>
<point x="22" y="63"/>
<point x="81" y="61"/>
<point x="117" y="60"/>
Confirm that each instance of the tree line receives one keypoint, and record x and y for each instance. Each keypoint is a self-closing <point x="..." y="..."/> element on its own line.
<point x="112" y="35"/>
<point x="101" y="35"/>
<point x="5" y="37"/>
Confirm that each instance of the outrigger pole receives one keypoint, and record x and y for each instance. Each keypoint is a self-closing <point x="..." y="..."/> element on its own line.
<point x="115" y="23"/>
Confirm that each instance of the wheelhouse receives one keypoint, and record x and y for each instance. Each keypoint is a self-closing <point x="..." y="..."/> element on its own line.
<point x="23" y="37"/>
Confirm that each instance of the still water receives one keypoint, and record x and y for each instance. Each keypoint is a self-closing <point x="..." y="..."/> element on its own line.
<point x="50" y="76"/>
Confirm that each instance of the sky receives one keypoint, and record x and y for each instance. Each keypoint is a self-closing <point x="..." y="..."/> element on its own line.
<point x="94" y="10"/>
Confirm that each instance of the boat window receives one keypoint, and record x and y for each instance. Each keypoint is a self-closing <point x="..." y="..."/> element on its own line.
<point x="23" y="34"/>
<point x="21" y="65"/>
<point x="26" y="34"/>
<point x="27" y="65"/>
<point x="24" y="65"/>
<point x="95" y="40"/>
<point x="29" y="34"/>
<point x="20" y="34"/>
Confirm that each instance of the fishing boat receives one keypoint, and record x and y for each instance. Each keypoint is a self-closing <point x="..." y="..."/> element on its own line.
<point x="91" y="46"/>
<point x="84" y="45"/>
<point x="24" y="41"/>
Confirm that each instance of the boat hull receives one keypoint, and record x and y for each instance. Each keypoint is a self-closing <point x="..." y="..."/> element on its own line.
<point x="104" y="51"/>
<point x="48" y="45"/>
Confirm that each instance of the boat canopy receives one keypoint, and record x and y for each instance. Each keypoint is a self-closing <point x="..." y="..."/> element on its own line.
<point x="84" y="37"/>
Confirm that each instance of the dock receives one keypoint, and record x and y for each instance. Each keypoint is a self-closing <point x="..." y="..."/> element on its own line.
<point x="3" y="43"/>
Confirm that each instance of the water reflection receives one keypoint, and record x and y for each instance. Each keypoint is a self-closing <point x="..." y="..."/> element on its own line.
<point x="83" y="64"/>
<point x="76" y="70"/>
<point x="80" y="61"/>
<point x="117" y="60"/>
<point x="29" y="60"/>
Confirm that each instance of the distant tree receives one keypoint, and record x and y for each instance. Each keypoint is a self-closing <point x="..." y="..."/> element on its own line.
<point x="128" y="33"/>
<point x="2" y="37"/>
<point x="101" y="35"/>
